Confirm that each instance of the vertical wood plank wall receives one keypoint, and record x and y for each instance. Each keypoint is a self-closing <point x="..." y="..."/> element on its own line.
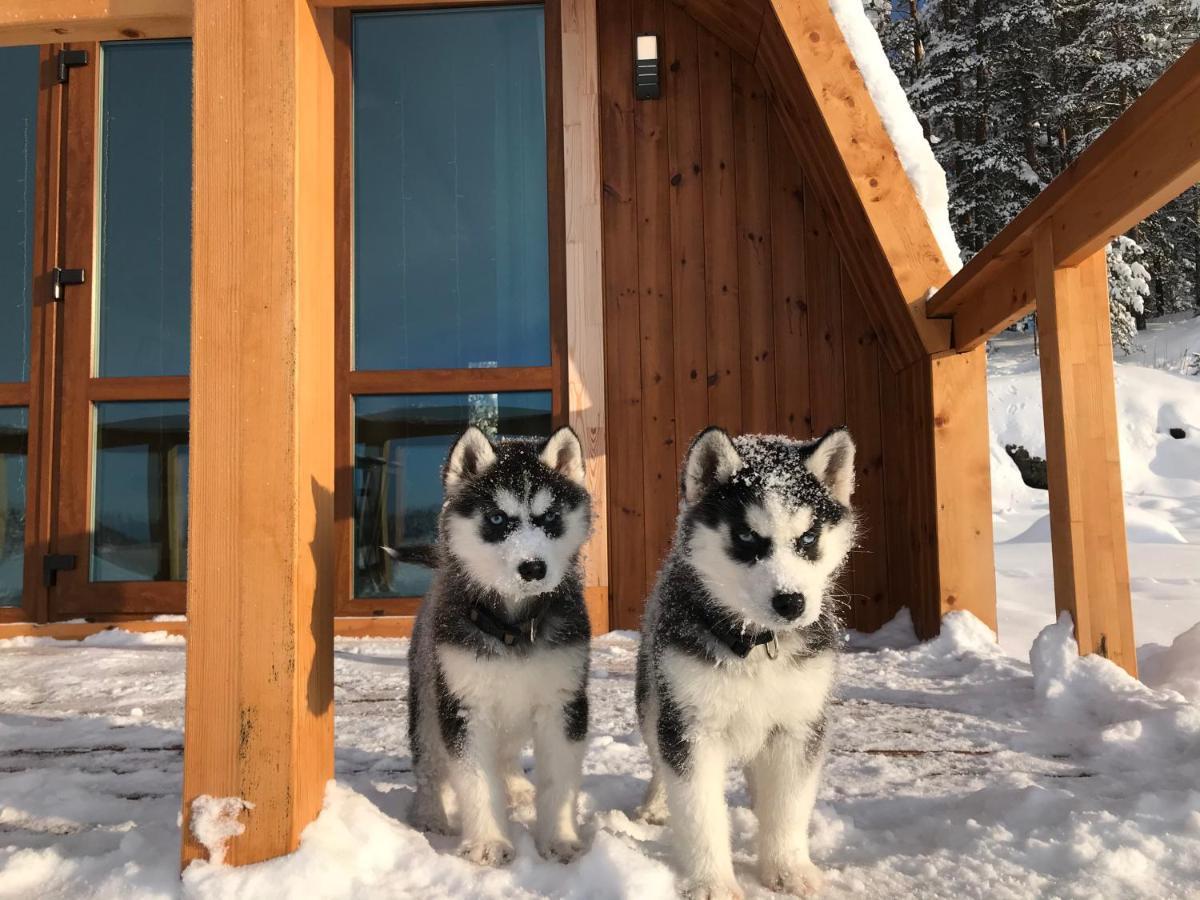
<point x="727" y="302"/>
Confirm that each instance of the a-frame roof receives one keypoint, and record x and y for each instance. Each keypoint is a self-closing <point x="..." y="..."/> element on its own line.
<point x="830" y="119"/>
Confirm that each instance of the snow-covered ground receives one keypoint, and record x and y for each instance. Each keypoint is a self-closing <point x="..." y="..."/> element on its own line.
<point x="955" y="771"/>
<point x="959" y="768"/>
<point x="1162" y="491"/>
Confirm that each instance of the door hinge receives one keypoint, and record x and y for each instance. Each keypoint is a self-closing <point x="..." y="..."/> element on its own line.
<point x="53" y="563"/>
<point x="63" y="277"/>
<point x="68" y="60"/>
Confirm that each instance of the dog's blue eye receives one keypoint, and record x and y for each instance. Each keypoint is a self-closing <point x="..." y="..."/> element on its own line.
<point x="497" y="518"/>
<point x="807" y="539"/>
<point x="746" y="536"/>
<point x="550" y="515"/>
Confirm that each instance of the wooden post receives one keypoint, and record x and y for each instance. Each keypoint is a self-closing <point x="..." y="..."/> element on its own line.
<point x="1087" y="512"/>
<point x="963" y="486"/>
<point x="259" y="705"/>
<point x="585" y="280"/>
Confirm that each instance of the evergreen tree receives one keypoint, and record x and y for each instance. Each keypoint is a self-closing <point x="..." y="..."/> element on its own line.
<point x="1128" y="287"/>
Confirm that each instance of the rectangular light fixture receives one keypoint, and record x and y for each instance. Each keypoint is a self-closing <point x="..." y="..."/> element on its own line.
<point x="645" y="79"/>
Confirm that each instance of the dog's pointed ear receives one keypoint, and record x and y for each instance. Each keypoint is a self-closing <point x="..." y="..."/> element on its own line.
<point x="832" y="462"/>
<point x="711" y="460"/>
<point x="471" y="454"/>
<point x="563" y="453"/>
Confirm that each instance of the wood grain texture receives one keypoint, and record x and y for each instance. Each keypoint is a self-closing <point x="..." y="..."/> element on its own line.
<point x="963" y="486"/>
<point x="752" y="152"/>
<point x="40" y="22"/>
<point x="788" y="289"/>
<point x="622" y="330"/>
<point x="823" y="288"/>
<point x="259" y="702"/>
<point x="834" y="124"/>
<point x="585" y="276"/>
<point x="659" y="457"/>
<point x="1083" y="460"/>
<point x="870" y="600"/>
<point x="719" y="164"/>
<point x="681" y="73"/>
<point x="734" y="22"/>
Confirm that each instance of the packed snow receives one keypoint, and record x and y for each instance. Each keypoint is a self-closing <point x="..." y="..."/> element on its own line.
<point x="926" y="174"/>
<point x="1157" y="393"/>
<point x="955" y="771"/>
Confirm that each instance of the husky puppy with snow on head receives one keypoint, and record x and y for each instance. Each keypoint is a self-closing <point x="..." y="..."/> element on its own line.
<point x="738" y="650"/>
<point x="499" y="651"/>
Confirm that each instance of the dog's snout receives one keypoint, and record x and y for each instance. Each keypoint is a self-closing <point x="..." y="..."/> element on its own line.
<point x="532" y="570"/>
<point x="790" y="606"/>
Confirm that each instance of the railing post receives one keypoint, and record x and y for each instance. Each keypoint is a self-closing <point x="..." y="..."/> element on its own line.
<point x="1087" y="512"/>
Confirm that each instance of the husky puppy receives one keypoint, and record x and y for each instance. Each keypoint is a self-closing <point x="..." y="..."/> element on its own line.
<point x="499" y="652"/>
<point x="738" y="650"/>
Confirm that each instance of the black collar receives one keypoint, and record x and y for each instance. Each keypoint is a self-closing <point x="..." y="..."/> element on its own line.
<point x="521" y="633"/>
<point x="736" y="638"/>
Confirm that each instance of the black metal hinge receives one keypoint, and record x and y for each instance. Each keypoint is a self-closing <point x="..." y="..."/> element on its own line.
<point x="63" y="277"/>
<point x="53" y="563"/>
<point x="68" y="60"/>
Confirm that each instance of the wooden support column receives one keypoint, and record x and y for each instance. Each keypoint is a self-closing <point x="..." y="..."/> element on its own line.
<point x="585" y="280"/>
<point x="963" y="486"/>
<point x="259" y="706"/>
<point x="1087" y="511"/>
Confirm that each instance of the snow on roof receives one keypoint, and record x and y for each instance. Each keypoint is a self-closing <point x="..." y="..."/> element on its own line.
<point x="927" y="176"/>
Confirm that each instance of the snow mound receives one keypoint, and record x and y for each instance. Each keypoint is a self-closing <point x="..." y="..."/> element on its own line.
<point x="916" y="156"/>
<point x="1176" y="668"/>
<point x="962" y="634"/>
<point x="898" y="634"/>
<point x="1142" y="526"/>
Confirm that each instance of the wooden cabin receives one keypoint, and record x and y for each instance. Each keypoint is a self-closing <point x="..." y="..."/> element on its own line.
<point x="261" y="261"/>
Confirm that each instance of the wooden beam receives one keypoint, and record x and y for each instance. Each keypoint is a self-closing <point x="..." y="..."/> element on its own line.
<point x="259" y="704"/>
<point x="1148" y="156"/>
<point x="45" y="22"/>
<point x="963" y="486"/>
<point x="1007" y="296"/>
<point x="1087" y="511"/>
<point x="585" y="279"/>
<point x="835" y="126"/>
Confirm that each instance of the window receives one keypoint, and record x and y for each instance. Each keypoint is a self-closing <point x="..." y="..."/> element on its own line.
<point x="19" y="148"/>
<point x="449" y="287"/>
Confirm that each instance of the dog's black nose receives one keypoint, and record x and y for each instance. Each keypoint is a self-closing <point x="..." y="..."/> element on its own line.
<point x="532" y="570"/>
<point x="790" y="606"/>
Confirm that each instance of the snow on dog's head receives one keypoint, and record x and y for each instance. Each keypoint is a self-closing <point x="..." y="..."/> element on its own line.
<point x="766" y="522"/>
<point x="516" y="511"/>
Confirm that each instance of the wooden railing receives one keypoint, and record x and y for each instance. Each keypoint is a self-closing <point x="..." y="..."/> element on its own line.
<point x="1052" y="257"/>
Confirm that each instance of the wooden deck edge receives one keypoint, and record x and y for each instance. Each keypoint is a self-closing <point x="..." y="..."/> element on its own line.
<point x="343" y="626"/>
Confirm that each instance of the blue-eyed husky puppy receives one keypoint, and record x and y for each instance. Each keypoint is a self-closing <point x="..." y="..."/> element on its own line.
<point x="499" y="652"/>
<point x="738" y="650"/>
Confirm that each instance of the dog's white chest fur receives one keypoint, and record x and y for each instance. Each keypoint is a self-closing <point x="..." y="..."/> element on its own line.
<point x="503" y="692"/>
<point x="740" y="703"/>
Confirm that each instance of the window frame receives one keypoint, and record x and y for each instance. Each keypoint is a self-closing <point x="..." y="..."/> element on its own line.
<point x="349" y="383"/>
<point x="74" y="593"/>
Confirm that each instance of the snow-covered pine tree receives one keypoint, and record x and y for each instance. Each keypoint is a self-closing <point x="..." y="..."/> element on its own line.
<point x="1128" y="287"/>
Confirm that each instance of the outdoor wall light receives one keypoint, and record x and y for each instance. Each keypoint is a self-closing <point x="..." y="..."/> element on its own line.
<point x="645" y="78"/>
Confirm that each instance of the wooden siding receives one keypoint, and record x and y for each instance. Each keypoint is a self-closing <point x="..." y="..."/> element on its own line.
<point x="728" y="302"/>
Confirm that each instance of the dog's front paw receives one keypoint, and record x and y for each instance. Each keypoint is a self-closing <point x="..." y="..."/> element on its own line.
<point x="561" y="850"/>
<point x="487" y="853"/>
<point x="703" y="889"/>
<point x="801" y="879"/>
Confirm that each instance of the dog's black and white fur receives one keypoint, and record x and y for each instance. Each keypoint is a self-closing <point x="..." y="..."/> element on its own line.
<point x="739" y="643"/>
<point x="499" y="652"/>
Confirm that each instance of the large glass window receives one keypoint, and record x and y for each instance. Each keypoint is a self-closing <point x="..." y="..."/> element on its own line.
<point x="14" y="443"/>
<point x="18" y="145"/>
<point x="145" y="209"/>
<point x="400" y="443"/>
<point x="450" y="210"/>
<point x="140" y="503"/>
